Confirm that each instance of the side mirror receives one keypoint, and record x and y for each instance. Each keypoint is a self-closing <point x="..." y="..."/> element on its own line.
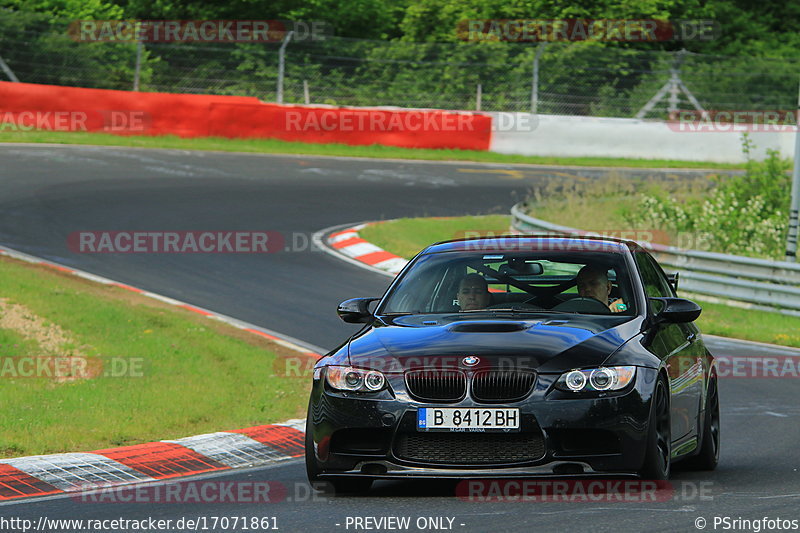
<point x="355" y="310"/>
<point x="675" y="310"/>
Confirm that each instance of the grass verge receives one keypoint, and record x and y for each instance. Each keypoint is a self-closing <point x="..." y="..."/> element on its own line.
<point x="274" y="146"/>
<point x="405" y="237"/>
<point x="113" y="368"/>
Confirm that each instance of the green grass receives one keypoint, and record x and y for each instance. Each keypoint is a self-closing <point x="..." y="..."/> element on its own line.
<point x="405" y="237"/>
<point x="738" y="323"/>
<point x="192" y="375"/>
<point x="274" y="146"/>
<point x="601" y="205"/>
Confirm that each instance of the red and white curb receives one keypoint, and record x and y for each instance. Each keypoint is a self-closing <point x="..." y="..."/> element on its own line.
<point x="41" y="475"/>
<point x="348" y="245"/>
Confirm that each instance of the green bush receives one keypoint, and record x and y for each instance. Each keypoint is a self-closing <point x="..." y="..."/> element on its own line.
<point x="742" y="215"/>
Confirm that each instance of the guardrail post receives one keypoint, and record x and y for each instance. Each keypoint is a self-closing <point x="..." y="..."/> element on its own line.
<point x="137" y="71"/>
<point x="8" y="71"/>
<point x="791" y="237"/>
<point x="535" y="81"/>
<point x="281" y="63"/>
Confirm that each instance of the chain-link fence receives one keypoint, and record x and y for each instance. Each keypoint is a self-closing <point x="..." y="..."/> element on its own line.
<point x="557" y="78"/>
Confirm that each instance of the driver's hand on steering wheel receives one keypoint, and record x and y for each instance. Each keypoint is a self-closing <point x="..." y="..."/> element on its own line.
<point x="617" y="306"/>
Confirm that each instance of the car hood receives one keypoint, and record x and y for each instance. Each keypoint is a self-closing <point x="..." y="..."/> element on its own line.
<point x="543" y="345"/>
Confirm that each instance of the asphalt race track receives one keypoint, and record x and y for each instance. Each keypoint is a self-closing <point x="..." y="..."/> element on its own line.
<point x="49" y="192"/>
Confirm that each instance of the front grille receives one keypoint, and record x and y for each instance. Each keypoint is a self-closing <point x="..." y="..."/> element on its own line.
<point x="501" y="385"/>
<point x="469" y="448"/>
<point x="437" y="385"/>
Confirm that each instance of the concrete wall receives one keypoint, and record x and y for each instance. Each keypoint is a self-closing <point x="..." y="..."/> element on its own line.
<point x="570" y="136"/>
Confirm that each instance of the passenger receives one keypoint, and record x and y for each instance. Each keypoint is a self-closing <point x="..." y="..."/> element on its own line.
<point x="473" y="293"/>
<point x="593" y="283"/>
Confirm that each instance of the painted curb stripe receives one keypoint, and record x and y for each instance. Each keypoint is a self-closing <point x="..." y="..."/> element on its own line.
<point x="346" y="236"/>
<point x="77" y="471"/>
<point x="357" y="250"/>
<point x="343" y="243"/>
<point x="395" y="264"/>
<point x="232" y="449"/>
<point x="376" y="257"/>
<point x="348" y="243"/>
<point x="127" y="287"/>
<point x="197" y="310"/>
<point x="15" y="483"/>
<point x="286" y="440"/>
<point x="161" y="460"/>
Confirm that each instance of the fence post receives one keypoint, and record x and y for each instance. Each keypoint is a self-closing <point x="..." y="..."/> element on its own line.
<point x="794" y="207"/>
<point x="8" y="71"/>
<point x="306" y="97"/>
<point x="535" y="82"/>
<point x="478" y="97"/>
<point x="281" y="62"/>
<point x="138" y="69"/>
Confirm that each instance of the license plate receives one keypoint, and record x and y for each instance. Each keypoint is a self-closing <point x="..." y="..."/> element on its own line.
<point x="484" y="419"/>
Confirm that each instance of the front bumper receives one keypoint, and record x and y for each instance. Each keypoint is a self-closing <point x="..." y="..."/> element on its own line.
<point x="560" y="435"/>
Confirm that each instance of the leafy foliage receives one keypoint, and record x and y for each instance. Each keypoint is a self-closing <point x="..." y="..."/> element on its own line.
<point x="744" y="214"/>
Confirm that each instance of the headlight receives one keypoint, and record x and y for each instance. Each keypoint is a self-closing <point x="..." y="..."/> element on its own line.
<point x="596" y="379"/>
<point x="354" y="379"/>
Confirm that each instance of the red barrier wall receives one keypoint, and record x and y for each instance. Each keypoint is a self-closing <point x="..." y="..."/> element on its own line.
<point x="26" y="106"/>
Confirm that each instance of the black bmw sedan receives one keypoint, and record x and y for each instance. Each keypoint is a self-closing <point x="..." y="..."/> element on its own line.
<point x="516" y="357"/>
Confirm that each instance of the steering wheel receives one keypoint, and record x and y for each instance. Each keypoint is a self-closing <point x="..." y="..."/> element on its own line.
<point x="583" y="305"/>
<point x="544" y="301"/>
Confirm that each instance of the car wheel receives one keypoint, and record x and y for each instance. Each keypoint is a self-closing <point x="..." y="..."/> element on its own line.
<point x="658" y="456"/>
<point x="708" y="457"/>
<point x="344" y="485"/>
<point x="312" y="470"/>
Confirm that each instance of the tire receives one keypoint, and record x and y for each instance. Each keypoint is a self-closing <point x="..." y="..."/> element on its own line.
<point x="343" y="485"/>
<point x="312" y="470"/>
<point x="708" y="457"/>
<point x="658" y="456"/>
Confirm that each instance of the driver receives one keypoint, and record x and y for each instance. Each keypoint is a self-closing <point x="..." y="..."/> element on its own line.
<point x="593" y="283"/>
<point x="473" y="293"/>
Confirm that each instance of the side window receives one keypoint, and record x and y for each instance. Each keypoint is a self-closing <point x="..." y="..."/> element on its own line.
<point x="655" y="285"/>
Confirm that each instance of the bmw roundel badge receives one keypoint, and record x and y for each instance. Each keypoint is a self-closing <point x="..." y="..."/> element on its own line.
<point x="470" y="360"/>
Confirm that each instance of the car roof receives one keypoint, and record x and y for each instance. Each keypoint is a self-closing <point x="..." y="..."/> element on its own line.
<point x="534" y="243"/>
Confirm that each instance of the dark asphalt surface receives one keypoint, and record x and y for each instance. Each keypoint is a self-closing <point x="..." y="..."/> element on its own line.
<point x="48" y="192"/>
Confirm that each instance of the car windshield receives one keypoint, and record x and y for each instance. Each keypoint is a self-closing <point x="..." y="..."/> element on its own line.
<point x="592" y="283"/>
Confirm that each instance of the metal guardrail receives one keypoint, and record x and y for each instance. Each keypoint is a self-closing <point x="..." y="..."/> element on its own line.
<point x="763" y="284"/>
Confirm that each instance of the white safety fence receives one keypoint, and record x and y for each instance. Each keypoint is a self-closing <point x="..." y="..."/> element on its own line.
<point x="581" y="136"/>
